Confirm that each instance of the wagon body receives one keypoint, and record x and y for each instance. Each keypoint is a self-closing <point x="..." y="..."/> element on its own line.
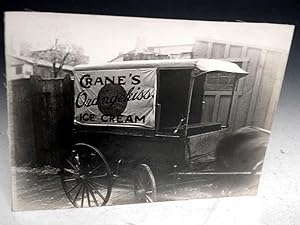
<point x="173" y="132"/>
<point x="159" y="151"/>
<point x="146" y="113"/>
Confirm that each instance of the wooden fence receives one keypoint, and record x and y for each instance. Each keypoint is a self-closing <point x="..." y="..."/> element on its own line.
<point x="257" y="94"/>
<point x="40" y="119"/>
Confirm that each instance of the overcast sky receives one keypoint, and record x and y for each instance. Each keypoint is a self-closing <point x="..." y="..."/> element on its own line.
<point x="103" y="37"/>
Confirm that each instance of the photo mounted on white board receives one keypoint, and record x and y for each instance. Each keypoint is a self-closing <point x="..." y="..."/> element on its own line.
<point x="107" y="110"/>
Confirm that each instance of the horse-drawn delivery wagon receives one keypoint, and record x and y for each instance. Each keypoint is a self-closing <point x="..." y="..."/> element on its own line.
<point x="144" y="116"/>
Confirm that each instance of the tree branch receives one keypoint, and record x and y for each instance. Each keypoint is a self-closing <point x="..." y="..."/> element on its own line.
<point x="70" y="61"/>
<point x="54" y="69"/>
<point x="62" y="62"/>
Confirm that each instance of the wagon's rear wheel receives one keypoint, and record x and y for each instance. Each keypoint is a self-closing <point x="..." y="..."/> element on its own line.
<point x="86" y="177"/>
<point x="144" y="184"/>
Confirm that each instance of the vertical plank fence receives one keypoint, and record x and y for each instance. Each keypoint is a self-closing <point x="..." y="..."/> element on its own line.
<point x="256" y="98"/>
<point x="40" y="119"/>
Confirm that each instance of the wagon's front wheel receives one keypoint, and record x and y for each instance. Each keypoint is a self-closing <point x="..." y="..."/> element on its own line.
<point x="86" y="177"/>
<point x="144" y="184"/>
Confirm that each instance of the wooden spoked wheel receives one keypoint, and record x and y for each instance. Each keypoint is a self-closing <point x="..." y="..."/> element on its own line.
<point x="86" y="177"/>
<point x="144" y="184"/>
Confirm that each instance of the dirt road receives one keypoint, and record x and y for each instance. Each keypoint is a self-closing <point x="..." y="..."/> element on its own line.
<point x="37" y="189"/>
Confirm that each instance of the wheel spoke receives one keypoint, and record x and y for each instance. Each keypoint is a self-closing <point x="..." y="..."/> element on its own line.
<point x="148" y="199"/>
<point x="71" y="172"/>
<point x="101" y="196"/>
<point x="101" y="185"/>
<point x="95" y="169"/>
<point x="93" y="196"/>
<point x="69" y="191"/>
<point x="99" y="176"/>
<point x="72" y="165"/>
<point x="82" y="196"/>
<point x="77" y="194"/>
<point x="88" y="195"/>
<point x="71" y="179"/>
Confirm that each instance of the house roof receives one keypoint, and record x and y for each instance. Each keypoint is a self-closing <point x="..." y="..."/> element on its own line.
<point x="161" y="50"/>
<point x="40" y="62"/>
<point x="205" y="65"/>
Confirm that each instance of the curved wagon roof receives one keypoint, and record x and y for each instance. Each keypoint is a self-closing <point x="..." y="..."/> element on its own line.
<point x="205" y="65"/>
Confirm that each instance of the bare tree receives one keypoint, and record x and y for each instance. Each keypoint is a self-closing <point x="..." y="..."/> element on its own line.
<point x="60" y="55"/>
<point x="59" y="58"/>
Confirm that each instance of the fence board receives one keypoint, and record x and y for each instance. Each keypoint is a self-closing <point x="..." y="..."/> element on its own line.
<point x="20" y="122"/>
<point x="267" y="82"/>
<point x="41" y="121"/>
<point x="276" y="91"/>
<point x="235" y="51"/>
<point x="258" y="93"/>
<point x="209" y="50"/>
<point x="218" y="50"/>
<point x="200" y="49"/>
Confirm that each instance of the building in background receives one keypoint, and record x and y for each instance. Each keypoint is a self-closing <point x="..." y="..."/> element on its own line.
<point x="55" y="62"/>
<point x="183" y="51"/>
<point x="23" y="67"/>
<point x="75" y="55"/>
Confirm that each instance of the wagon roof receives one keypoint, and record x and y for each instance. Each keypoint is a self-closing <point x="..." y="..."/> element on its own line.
<point x="204" y="65"/>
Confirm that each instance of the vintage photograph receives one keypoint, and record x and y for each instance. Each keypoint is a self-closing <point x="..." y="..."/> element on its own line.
<point x="107" y="110"/>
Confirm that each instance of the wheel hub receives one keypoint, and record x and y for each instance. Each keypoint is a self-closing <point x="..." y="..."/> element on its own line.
<point x="83" y="177"/>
